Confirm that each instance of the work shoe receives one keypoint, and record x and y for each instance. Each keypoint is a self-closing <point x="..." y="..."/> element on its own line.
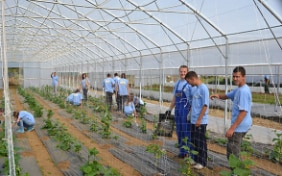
<point x="30" y="129"/>
<point x="198" y="166"/>
<point x="20" y="130"/>
<point x="192" y="162"/>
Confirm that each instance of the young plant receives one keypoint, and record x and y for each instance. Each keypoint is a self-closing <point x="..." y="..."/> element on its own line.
<point x="50" y="113"/>
<point x="156" y="150"/>
<point x="239" y="167"/>
<point x="94" y="125"/>
<point x="128" y="122"/>
<point x="106" y="123"/>
<point x="142" y="111"/>
<point x="92" y="167"/>
<point x="221" y="141"/>
<point x="276" y="153"/>
<point x="143" y="126"/>
<point x="155" y="133"/>
<point x="186" y="168"/>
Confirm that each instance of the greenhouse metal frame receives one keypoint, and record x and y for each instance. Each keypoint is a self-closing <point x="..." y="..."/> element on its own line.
<point x="149" y="39"/>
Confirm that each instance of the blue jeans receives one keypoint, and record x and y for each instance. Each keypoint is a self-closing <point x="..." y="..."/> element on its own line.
<point x="25" y="124"/>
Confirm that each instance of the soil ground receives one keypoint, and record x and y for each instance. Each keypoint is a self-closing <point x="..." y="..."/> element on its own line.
<point x="46" y="164"/>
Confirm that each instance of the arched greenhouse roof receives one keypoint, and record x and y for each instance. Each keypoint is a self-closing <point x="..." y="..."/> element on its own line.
<point x="67" y="32"/>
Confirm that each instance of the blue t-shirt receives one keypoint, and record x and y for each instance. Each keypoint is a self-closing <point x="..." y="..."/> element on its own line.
<point x="122" y="86"/>
<point x="55" y="80"/>
<point x="77" y="97"/>
<point x="179" y="86"/>
<point x="83" y="83"/>
<point x="70" y="98"/>
<point x="116" y="79"/>
<point x="266" y="77"/>
<point x="27" y="117"/>
<point x="129" y="108"/>
<point x="200" y="98"/>
<point x="108" y="85"/>
<point x="242" y="101"/>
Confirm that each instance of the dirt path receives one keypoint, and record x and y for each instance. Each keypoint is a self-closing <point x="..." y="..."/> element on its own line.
<point x="38" y="150"/>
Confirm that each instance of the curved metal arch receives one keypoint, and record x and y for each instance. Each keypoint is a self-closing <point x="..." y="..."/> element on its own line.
<point x="100" y="56"/>
<point x="91" y="32"/>
<point x="163" y="25"/>
<point x="123" y="22"/>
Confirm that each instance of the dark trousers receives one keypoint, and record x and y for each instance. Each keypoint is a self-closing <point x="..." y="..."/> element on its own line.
<point x="234" y="144"/>
<point x="85" y="93"/>
<point x="121" y="100"/>
<point x="109" y="99"/>
<point x="200" y="143"/>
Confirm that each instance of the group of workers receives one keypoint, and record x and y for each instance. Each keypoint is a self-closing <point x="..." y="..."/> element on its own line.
<point x="191" y="96"/>
<point x="126" y="102"/>
<point x="116" y="86"/>
<point x="191" y="103"/>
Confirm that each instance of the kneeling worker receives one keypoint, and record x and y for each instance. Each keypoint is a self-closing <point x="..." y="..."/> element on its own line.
<point x="24" y="120"/>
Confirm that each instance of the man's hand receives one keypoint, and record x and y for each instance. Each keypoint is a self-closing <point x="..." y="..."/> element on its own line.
<point x="229" y="133"/>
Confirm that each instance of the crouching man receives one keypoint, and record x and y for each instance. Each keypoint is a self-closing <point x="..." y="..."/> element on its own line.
<point x="24" y="120"/>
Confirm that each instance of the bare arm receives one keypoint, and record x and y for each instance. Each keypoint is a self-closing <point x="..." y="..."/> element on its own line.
<point x="172" y="103"/>
<point x="202" y="113"/>
<point x="239" y="119"/>
<point x="219" y="96"/>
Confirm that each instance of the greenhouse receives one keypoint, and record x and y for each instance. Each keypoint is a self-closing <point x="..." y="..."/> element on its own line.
<point x="81" y="44"/>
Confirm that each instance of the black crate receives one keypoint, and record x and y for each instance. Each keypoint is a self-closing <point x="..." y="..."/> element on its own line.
<point x="165" y="125"/>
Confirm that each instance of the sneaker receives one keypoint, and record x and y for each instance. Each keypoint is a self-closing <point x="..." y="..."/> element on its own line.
<point x="192" y="162"/>
<point x="20" y="130"/>
<point x="198" y="166"/>
<point x="30" y="129"/>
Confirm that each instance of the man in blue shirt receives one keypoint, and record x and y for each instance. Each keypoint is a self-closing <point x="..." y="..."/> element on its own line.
<point x="122" y="90"/>
<point x="116" y="79"/>
<point x="199" y="118"/>
<point x="266" y="84"/>
<point x="24" y="120"/>
<point x="108" y="85"/>
<point x="241" y="120"/>
<point x="77" y="98"/>
<point x="85" y="84"/>
<point x="55" y="81"/>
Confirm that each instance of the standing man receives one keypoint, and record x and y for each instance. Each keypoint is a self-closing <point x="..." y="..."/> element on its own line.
<point x="181" y="101"/>
<point x="116" y="79"/>
<point x="24" y="120"/>
<point x="85" y="84"/>
<point x="108" y="85"/>
<point x="241" y="120"/>
<point x="199" y="118"/>
<point x="266" y="84"/>
<point x="122" y="90"/>
<point x="55" y="81"/>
